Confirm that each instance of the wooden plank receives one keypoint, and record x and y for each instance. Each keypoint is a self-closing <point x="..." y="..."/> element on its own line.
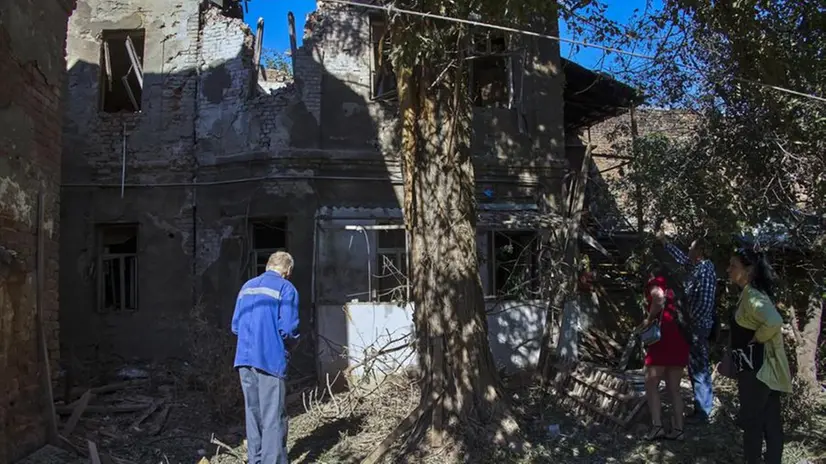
<point x="608" y="391"/>
<point x="593" y="409"/>
<point x="65" y="410"/>
<point x="633" y="412"/>
<point x="161" y="421"/>
<point x="109" y="388"/>
<point x="83" y="402"/>
<point x="94" y="457"/>
<point x="148" y="412"/>
<point x="40" y="282"/>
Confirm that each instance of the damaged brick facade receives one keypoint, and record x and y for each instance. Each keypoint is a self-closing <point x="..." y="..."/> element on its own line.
<point x="611" y="141"/>
<point x="160" y="207"/>
<point x="32" y="72"/>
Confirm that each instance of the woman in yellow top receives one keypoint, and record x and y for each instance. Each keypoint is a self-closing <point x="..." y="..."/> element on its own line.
<point x="758" y="356"/>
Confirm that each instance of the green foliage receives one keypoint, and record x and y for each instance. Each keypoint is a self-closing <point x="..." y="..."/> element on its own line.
<point x="280" y="61"/>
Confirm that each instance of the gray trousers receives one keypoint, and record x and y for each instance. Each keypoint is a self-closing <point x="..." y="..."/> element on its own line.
<point x="266" y="416"/>
<point x="760" y="419"/>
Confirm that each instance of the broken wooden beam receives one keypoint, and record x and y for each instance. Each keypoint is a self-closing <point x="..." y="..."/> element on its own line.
<point x="148" y="412"/>
<point x="159" y="423"/>
<point x="109" y="388"/>
<point x="125" y="408"/>
<point x="94" y="457"/>
<point x="81" y="406"/>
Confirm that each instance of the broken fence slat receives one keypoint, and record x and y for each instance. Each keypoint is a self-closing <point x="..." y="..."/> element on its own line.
<point x="148" y="412"/>
<point x="81" y="406"/>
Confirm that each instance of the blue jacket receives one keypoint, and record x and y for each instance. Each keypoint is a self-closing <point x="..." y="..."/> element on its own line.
<point x="266" y="313"/>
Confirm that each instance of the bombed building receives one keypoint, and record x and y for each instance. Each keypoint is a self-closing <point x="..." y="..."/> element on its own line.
<point x="186" y="164"/>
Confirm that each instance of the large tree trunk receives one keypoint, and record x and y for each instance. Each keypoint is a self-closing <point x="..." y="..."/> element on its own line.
<point x="460" y="385"/>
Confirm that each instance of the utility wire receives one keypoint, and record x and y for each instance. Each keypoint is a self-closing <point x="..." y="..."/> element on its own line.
<point x="389" y="9"/>
<point x="782" y="89"/>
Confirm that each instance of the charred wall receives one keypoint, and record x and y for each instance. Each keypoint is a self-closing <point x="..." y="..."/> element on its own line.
<point x="32" y="73"/>
<point x="217" y="154"/>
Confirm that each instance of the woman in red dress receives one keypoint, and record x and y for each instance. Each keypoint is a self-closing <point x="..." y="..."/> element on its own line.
<point x="665" y="359"/>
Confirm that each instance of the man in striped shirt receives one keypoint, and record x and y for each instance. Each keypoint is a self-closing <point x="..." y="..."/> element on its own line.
<point x="265" y="319"/>
<point x="700" y="291"/>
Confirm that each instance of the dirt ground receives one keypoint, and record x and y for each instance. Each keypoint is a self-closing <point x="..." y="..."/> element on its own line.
<point x="347" y="429"/>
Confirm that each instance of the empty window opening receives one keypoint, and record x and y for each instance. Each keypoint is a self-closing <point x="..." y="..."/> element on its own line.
<point x="383" y="80"/>
<point x="392" y="265"/>
<point x="118" y="271"/>
<point x="122" y="70"/>
<point x="490" y="70"/>
<point x="514" y="264"/>
<point x="268" y="236"/>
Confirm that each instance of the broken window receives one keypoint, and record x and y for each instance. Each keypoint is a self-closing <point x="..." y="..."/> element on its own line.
<point x="118" y="268"/>
<point x="383" y="78"/>
<point x="490" y="70"/>
<point x="513" y="264"/>
<point x="392" y="264"/>
<point x="122" y="70"/>
<point x="267" y="237"/>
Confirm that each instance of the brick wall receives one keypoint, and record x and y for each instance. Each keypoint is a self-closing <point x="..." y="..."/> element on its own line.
<point x="611" y="140"/>
<point x="32" y="69"/>
<point x="204" y="121"/>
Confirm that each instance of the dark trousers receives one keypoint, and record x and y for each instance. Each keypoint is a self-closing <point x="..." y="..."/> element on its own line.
<point x="266" y="416"/>
<point x="760" y="419"/>
<point x="699" y="370"/>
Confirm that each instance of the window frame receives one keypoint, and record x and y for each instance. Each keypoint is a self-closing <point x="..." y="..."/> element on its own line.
<point x="399" y="253"/>
<point x="254" y="253"/>
<point x="376" y="50"/>
<point x="477" y="54"/>
<point x="104" y="257"/>
<point x="108" y="39"/>
<point x="491" y="263"/>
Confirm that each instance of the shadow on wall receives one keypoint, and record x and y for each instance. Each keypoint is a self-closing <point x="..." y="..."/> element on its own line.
<point x="259" y="157"/>
<point x="459" y="281"/>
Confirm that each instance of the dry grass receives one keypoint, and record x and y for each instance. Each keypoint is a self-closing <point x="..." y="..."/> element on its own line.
<point x="348" y="437"/>
<point x="212" y="352"/>
<point x="348" y="440"/>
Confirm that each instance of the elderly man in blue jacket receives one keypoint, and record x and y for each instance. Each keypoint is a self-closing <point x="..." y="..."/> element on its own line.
<point x="265" y="318"/>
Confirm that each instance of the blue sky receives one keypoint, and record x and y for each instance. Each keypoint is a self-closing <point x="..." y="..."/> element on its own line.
<point x="274" y="13"/>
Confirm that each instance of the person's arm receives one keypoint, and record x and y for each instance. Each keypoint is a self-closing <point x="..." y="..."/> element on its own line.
<point x="657" y="304"/>
<point x="764" y="312"/>
<point x="236" y="314"/>
<point x="677" y="254"/>
<point x="288" y="315"/>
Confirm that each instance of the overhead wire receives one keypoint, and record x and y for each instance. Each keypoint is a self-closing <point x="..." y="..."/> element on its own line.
<point x="389" y="9"/>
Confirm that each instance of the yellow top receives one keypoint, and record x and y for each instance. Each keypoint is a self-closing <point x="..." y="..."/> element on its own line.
<point x="757" y="312"/>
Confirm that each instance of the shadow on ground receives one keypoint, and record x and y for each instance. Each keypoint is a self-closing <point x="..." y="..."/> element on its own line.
<point x="310" y="448"/>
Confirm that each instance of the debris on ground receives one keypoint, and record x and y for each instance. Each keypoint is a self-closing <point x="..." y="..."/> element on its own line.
<point x="161" y="419"/>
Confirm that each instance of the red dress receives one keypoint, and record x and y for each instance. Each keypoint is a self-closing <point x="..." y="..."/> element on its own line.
<point x="672" y="349"/>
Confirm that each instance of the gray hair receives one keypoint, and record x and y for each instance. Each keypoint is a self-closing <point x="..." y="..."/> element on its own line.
<point x="280" y="262"/>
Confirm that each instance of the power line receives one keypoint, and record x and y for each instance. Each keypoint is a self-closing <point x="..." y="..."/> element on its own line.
<point x="390" y="9"/>
<point x="782" y="89"/>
